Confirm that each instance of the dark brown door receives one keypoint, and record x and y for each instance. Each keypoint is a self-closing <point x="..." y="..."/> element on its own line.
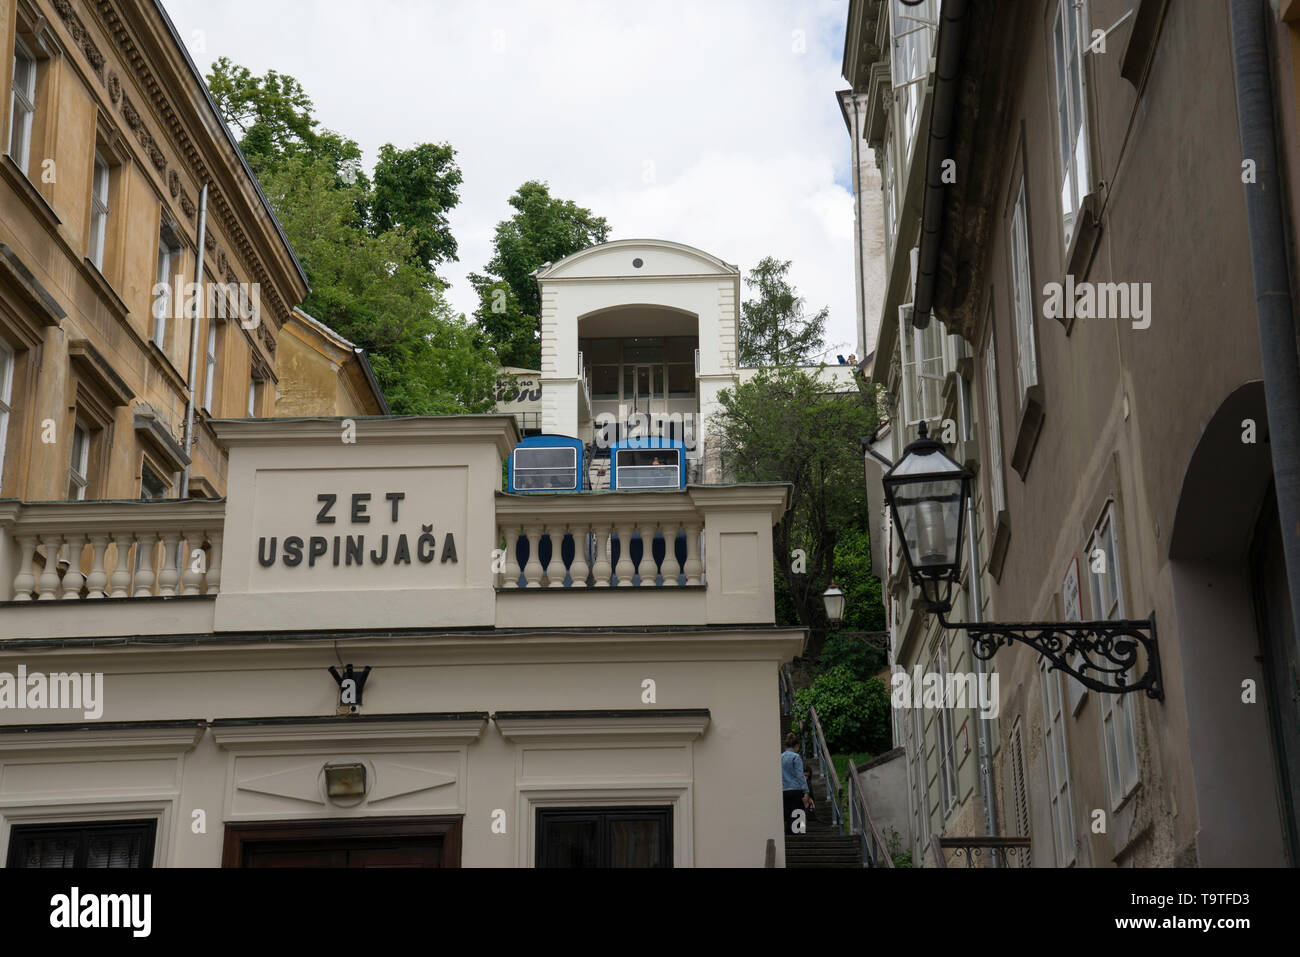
<point x="1281" y="670"/>
<point x="362" y="842"/>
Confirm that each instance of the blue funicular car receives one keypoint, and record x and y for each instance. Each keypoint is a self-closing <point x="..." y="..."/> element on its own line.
<point x="547" y="463"/>
<point x="647" y="462"/>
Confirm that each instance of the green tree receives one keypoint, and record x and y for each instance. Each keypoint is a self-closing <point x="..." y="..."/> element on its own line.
<point x="273" y="116"/>
<point x="427" y="359"/>
<point x="414" y="189"/>
<point x="543" y="229"/>
<point x="854" y="714"/>
<point x="775" y="328"/>
<point x="783" y="426"/>
<point x="368" y="249"/>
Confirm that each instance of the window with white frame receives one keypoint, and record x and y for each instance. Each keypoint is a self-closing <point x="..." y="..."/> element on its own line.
<point x="78" y="473"/>
<point x="6" y="400"/>
<point x="169" y="252"/>
<point x="1022" y="293"/>
<point x="98" y="211"/>
<point x="210" y="365"/>
<point x="997" y="491"/>
<point x="912" y="30"/>
<point x="943" y="721"/>
<point x="254" y="393"/>
<point x="22" y="105"/>
<point x="922" y="368"/>
<point x="1118" y="721"/>
<point x="1069" y="39"/>
<point x="919" y="766"/>
<point x="1058" y="765"/>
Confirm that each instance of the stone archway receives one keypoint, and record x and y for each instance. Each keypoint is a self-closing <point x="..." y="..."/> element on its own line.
<point x="1238" y="761"/>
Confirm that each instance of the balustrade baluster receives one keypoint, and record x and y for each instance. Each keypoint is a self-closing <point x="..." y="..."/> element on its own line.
<point x="191" y="577"/>
<point x="214" y="563"/>
<point x="73" y="578"/>
<point x="578" y="570"/>
<point x="670" y="569"/>
<point x="693" y="569"/>
<point x="47" y="585"/>
<point x="533" y="567"/>
<point x="625" y="569"/>
<point x="120" y="580"/>
<point x="97" y="579"/>
<point x="512" y="571"/>
<point x="555" y="567"/>
<point x="601" y="571"/>
<point x="145" y="547"/>
<point x="167" y="573"/>
<point x="25" y="581"/>
<point x="645" y="568"/>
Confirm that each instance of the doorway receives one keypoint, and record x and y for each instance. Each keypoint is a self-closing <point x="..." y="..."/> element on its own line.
<point x="360" y="842"/>
<point x="1278" y="657"/>
<point x="605" y="837"/>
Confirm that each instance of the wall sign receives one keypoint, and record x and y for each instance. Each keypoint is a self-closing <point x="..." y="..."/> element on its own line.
<point x="386" y="544"/>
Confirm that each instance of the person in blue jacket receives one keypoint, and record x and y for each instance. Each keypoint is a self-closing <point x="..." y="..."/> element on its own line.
<point x="794" y="784"/>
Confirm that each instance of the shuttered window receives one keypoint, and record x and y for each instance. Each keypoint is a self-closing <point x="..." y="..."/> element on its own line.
<point x="1019" y="794"/>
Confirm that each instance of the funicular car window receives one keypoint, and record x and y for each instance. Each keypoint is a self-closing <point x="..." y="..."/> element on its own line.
<point x="648" y="468"/>
<point x="541" y="469"/>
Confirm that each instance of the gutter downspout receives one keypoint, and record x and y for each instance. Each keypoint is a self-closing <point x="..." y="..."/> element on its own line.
<point x="951" y="37"/>
<point x="975" y="614"/>
<point x="194" y="340"/>
<point x="1268" y="260"/>
<point x="857" y="196"/>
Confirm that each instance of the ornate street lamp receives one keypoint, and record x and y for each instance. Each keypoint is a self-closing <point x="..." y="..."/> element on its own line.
<point x="927" y="491"/>
<point x="833" y="599"/>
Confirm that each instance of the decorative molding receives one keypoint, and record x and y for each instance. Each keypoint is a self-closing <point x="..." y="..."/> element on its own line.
<point x="80" y="36"/>
<point x="328" y="733"/>
<point x="114" y="88"/>
<point x="219" y="208"/>
<point x="680" y="725"/>
<point x="174" y="183"/>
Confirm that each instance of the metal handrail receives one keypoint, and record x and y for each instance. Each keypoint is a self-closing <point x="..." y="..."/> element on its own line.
<point x="828" y="767"/>
<point x="787" y="693"/>
<point x="874" y="848"/>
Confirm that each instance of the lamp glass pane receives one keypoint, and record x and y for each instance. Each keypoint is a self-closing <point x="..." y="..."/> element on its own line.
<point x="929" y="514"/>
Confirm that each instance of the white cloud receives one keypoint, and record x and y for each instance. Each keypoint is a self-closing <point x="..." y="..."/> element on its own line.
<point x="742" y="134"/>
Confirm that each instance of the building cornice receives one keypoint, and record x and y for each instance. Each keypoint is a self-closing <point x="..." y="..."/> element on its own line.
<point x="539" y="726"/>
<point x="392" y="430"/>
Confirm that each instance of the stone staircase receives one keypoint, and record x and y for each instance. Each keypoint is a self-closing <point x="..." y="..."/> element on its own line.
<point x="822" y="845"/>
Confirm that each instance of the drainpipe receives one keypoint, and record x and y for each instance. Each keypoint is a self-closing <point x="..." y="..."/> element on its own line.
<point x="194" y="340"/>
<point x="976" y="615"/>
<point x="1268" y="252"/>
<point x="857" y="196"/>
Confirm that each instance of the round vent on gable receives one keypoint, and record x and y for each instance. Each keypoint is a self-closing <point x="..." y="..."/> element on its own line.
<point x="637" y="264"/>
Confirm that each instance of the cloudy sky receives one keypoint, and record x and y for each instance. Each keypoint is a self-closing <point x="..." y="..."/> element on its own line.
<point x="712" y="123"/>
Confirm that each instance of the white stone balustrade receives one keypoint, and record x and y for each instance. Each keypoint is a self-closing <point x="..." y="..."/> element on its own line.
<point x="618" y="540"/>
<point x="75" y="551"/>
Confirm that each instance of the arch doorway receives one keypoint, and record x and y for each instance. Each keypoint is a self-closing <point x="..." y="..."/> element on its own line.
<point x="1236" y="640"/>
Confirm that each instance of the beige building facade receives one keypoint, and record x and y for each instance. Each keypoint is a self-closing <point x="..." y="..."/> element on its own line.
<point x="1093" y="354"/>
<point x="597" y="714"/>
<point x="117" y="172"/>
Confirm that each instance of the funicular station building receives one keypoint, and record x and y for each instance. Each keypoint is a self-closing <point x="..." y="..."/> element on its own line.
<point x="344" y="663"/>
